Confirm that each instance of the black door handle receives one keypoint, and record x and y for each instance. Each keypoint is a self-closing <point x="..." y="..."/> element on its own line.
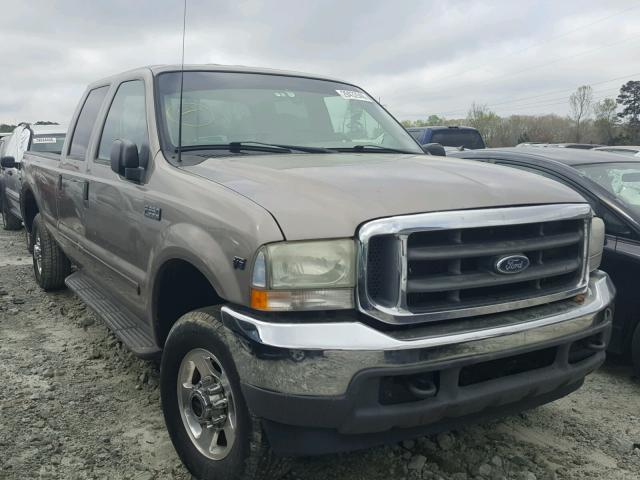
<point x="85" y="191"/>
<point x="59" y="182"/>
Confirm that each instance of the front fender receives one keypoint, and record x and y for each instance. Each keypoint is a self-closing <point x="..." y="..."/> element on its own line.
<point x="211" y="251"/>
<point x="197" y="247"/>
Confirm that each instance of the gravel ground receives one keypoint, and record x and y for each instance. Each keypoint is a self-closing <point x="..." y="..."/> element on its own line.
<point x="75" y="404"/>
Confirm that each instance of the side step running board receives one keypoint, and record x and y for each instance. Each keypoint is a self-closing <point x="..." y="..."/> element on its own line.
<point x="120" y="320"/>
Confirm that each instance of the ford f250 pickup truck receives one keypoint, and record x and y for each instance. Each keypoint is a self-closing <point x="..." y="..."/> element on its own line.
<point x="312" y="279"/>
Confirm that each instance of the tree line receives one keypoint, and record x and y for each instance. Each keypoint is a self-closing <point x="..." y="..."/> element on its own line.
<point x="608" y="121"/>
<point x="6" y="127"/>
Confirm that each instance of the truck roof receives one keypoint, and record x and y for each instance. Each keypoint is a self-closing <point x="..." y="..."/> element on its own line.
<point x="158" y="69"/>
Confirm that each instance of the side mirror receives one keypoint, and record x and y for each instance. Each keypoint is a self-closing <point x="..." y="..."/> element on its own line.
<point x="434" y="149"/>
<point x="9" y="162"/>
<point x="125" y="160"/>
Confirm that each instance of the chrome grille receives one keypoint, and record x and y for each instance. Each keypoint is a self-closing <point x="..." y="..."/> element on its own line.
<point x="443" y="265"/>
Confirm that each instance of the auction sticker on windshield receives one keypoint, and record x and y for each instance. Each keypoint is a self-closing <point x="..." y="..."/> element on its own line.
<point x="353" y="95"/>
<point x="44" y="140"/>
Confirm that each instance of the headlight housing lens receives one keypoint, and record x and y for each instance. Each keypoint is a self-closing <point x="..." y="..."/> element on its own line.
<point x="596" y="243"/>
<point x="309" y="275"/>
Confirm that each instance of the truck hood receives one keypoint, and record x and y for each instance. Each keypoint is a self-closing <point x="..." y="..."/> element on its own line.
<point x="330" y="195"/>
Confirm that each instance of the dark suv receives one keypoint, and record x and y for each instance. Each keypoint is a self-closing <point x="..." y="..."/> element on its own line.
<point x="466" y="137"/>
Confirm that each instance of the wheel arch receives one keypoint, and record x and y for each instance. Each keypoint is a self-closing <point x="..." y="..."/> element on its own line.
<point x="182" y="282"/>
<point x="29" y="206"/>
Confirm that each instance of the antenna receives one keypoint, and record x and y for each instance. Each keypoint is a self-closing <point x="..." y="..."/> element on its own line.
<point x="184" y="26"/>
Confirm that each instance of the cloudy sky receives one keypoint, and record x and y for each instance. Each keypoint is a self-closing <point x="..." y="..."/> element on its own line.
<point x="419" y="57"/>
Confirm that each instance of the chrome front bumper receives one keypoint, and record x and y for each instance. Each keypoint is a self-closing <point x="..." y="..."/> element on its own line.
<point x="321" y="359"/>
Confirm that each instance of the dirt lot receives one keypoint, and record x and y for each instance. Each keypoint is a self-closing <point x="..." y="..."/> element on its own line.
<point x="74" y="404"/>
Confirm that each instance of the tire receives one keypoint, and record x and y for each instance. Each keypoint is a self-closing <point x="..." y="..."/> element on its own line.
<point x="28" y="240"/>
<point x="635" y="352"/>
<point x="9" y="220"/>
<point x="199" y="336"/>
<point x="50" y="265"/>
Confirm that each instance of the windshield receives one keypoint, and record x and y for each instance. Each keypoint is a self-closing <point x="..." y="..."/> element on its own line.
<point x="221" y="107"/>
<point x="47" y="142"/>
<point x="458" y="138"/>
<point x="620" y="179"/>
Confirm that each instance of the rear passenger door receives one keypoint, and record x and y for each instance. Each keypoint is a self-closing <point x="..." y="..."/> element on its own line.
<point x="116" y="205"/>
<point x="72" y="179"/>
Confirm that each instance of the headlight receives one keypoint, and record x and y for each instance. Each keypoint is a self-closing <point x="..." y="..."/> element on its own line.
<point x="596" y="243"/>
<point x="316" y="275"/>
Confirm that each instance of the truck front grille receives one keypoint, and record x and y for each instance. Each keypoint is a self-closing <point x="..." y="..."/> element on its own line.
<point x="444" y="265"/>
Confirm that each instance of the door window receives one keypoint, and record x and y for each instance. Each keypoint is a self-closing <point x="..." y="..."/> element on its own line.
<point x="127" y="119"/>
<point x="85" y="123"/>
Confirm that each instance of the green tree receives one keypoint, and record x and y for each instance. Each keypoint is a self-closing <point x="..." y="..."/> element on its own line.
<point x="629" y="98"/>
<point x="435" y="120"/>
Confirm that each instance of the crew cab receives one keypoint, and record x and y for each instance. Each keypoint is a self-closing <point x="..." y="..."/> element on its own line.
<point x="44" y="140"/>
<point x="313" y="281"/>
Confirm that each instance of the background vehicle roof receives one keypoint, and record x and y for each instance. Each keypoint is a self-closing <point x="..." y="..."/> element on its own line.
<point x="442" y="127"/>
<point x="53" y="129"/>
<point x="568" y="156"/>
<point x="619" y="147"/>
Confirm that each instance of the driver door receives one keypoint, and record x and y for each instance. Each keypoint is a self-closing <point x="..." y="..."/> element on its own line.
<point x="115" y="205"/>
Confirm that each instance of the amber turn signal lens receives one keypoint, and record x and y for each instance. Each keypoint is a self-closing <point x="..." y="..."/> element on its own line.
<point x="259" y="299"/>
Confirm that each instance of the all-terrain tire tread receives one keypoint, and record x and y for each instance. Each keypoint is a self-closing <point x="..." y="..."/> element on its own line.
<point x="55" y="264"/>
<point x="262" y="464"/>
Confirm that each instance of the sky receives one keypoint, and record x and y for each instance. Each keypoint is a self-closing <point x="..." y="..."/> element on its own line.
<point x="417" y="57"/>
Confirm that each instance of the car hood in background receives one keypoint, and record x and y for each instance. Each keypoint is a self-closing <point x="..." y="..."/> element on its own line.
<point x="330" y="195"/>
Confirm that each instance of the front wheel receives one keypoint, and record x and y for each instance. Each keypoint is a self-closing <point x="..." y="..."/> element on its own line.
<point x="206" y="415"/>
<point x="50" y="265"/>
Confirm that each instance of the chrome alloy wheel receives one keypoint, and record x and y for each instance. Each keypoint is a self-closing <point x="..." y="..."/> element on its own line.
<point x="205" y="400"/>
<point x="37" y="252"/>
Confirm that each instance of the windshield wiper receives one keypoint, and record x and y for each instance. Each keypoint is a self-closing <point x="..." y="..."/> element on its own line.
<point x="304" y="148"/>
<point x="373" y="147"/>
<point x="237" y="147"/>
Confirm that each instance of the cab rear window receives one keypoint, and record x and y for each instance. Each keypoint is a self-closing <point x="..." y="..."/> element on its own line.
<point x="458" y="138"/>
<point x="49" y="143"/>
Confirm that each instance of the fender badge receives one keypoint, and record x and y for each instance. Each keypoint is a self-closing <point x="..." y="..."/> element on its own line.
<point x="239" y="263"/>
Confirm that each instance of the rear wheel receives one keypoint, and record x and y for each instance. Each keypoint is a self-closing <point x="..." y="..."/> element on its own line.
<point x="9" y="220"/>
<point x="206" y="415"/>
<point x="50" y="265"/>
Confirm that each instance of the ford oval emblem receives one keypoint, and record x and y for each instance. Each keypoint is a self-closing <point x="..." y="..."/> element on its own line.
<point x="510" y="264"/>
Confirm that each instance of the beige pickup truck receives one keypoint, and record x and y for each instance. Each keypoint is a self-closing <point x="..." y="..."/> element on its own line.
<point x="313" y="281"/>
